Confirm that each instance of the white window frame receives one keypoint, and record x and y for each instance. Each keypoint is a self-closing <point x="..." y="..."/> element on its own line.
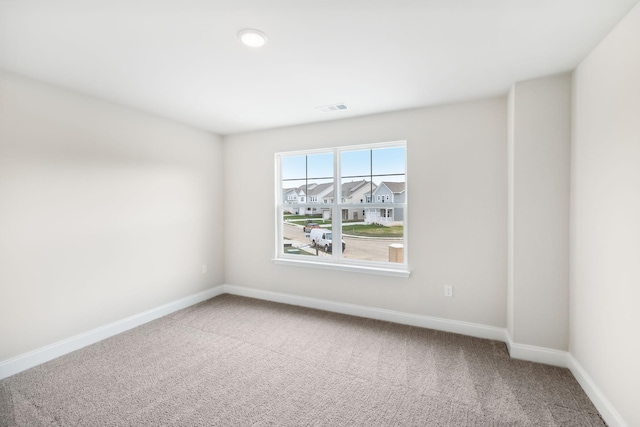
<point x="336" y="261"/>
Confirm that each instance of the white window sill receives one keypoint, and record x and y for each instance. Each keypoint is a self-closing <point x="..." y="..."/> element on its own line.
<point x="380" y="271"/>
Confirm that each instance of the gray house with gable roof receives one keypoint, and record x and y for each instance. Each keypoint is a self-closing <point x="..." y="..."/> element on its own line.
<point x="386" y="192"/>
<point x="359" y="193"/>
<point x="353" y="192"/>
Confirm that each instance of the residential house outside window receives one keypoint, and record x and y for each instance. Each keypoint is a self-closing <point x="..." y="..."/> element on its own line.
<point x="364" y="207"/>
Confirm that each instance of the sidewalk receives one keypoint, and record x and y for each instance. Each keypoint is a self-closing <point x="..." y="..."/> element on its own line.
<point x="295" y="244"/>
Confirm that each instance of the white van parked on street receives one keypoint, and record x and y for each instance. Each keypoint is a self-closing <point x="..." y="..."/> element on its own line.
<point x="322" y="238"/>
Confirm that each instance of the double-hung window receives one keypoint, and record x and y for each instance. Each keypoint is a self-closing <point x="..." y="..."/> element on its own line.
<point x="361" y="226"/>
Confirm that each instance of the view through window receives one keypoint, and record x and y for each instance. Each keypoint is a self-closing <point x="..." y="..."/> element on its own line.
<point x="353" y="195"/>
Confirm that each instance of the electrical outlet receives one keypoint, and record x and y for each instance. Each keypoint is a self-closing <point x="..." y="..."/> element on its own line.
<point x="448" y="291"/>
<point x="204" y="268"/>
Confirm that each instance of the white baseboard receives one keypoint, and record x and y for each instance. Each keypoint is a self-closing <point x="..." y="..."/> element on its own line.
<point x="517" y="351"/>
<point x="536" y="354"/>
<point x="609" y="413"/>
<point x="458" y="327"/>
<point x="44" y="354"/>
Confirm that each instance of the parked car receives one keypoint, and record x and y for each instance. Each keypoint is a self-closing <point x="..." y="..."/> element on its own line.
<point x="310" y="226"/>
<point x="322" y="238"/>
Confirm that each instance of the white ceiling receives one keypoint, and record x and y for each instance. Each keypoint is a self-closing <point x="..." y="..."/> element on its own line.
<point x="181" y="59"/>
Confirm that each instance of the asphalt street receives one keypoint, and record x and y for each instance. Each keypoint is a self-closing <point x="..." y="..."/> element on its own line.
<point x="371" y="249"/>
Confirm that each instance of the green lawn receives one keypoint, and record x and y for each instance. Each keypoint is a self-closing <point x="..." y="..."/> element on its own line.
<point x="302" y="217"/>
<point x="295" y="251"/>
<point x="303" y="220"/>
<point x="373" y="230"/>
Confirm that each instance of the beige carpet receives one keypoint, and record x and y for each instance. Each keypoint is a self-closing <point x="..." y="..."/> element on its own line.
<point x="234" y="361"/>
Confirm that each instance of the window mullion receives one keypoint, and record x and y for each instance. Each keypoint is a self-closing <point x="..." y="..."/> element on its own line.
<point x="337" y="214"/>
<point x="279" y="205"/>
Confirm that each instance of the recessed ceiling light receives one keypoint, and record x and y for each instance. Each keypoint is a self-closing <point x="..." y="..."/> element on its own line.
<point x="252" y="38"/>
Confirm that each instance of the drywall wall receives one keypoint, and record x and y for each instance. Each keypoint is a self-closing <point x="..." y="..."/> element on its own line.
<point x="539" y="165"/>
<point x="457" y="189"/>
<point x="104" y="213"/>
<point x="605" y="217"/>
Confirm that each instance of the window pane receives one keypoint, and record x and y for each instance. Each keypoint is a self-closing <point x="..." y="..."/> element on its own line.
<point x="299" y="237"/>
<point x="388" y="161"/>
<point x="356" y="163"/>
<point x="318" y="191"/>
<point x="381" y="240"/>
<point x="390" y="189"/>
<point x="320" y="166"/>
<point x="293" y="192"/>
<point x="355" y="192"/>
<point x="293" y="167"/>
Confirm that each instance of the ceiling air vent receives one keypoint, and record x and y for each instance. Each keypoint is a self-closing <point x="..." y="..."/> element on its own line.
<point x="333" y="107"/>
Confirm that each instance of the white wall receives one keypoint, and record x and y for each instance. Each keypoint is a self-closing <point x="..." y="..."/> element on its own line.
<point x="104" y="213"/>
<point x="605" y="217"/>
<point x="539" y="161"/>
<point x="457" y="186"/>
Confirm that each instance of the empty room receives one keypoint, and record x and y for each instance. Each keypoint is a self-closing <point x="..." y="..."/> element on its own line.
<point x="336" y="213"/>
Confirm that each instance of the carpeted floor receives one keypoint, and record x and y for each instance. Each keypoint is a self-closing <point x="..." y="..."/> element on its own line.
<point x="234" y="361"/>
